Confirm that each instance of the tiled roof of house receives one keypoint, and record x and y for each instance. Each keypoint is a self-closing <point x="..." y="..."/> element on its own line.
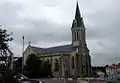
<point x="114" y="66"/>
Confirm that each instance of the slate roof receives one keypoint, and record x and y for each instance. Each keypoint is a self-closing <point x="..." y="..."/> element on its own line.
<point x="37" y="49"/>
<point x="57" y="49"/>
<point x="60" y="49"/>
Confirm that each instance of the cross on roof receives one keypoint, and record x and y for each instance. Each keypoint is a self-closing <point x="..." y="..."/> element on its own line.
<point x="29" y="42"/>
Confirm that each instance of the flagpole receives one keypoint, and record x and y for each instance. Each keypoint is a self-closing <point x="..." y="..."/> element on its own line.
<point x="23" y="55"/>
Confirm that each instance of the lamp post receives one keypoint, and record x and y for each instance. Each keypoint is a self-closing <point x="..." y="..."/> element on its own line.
<point x="23" y="55"/>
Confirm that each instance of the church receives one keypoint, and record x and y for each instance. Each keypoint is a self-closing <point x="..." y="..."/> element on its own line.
<point x="67" y="60"/>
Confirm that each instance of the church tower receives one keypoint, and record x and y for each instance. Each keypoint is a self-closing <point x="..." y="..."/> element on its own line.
<point x="78" y="29"/>
<point x="83" y="61"/>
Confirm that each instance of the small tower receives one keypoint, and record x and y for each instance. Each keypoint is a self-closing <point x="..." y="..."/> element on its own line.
<point x="78" y="29"/>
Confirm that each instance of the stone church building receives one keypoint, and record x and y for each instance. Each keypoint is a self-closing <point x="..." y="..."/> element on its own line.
<point x="67" y="60"/>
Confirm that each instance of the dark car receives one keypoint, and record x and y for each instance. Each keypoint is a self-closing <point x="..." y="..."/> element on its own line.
<point x="23" y="79"/>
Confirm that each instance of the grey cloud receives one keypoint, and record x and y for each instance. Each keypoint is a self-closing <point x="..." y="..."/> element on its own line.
<point x="101" y="18"/>
<point x="102" y="44"/>
<point x="43" y="31"/>
<point x="102" y="58"/>
<point x="9" y="13"/>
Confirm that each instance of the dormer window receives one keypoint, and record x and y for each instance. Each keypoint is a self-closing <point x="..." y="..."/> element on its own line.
<point x="75" y="21"/>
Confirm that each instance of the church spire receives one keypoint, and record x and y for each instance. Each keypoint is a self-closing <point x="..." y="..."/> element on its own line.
<point x="78" y="21"/>
<point x="77" y="14"/>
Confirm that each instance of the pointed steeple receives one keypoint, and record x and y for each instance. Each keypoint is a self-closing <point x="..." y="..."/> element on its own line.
<point x="77" y="14"/>
<point x="77" y="22"/>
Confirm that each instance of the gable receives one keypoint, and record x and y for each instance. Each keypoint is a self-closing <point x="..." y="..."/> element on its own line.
<point x="28" y="50"/>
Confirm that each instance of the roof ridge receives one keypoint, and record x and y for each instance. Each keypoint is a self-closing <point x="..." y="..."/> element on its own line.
<point x="58" y="46"/>
<point x="51" y="47"/>
<point x="36" y="47"/>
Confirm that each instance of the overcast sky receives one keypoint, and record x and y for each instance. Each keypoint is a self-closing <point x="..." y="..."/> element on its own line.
<point x="48" y="23"/>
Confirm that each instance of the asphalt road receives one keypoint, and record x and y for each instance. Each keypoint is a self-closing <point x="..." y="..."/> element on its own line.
<point x="50" y="81"/>
<point x="55" y="81"/>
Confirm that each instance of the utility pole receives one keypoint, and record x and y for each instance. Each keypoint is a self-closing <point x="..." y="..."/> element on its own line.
<point x="23" y="55"/>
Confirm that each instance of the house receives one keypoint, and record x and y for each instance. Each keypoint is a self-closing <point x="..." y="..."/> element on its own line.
<point x="113" y="70"/>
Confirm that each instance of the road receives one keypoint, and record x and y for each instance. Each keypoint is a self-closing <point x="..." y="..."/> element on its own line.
<point x="50" y="81"/>
<point x="54" y="81"/>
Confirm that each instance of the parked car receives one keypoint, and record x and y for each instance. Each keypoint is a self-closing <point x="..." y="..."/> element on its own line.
<point x="23" y="79"/>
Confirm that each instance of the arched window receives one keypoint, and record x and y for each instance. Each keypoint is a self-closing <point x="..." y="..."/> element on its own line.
<point x="56" y="65"/>
<point x="73" y="62"/>
<point x="77" y="35"/>
<point x="74" y="36"/>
